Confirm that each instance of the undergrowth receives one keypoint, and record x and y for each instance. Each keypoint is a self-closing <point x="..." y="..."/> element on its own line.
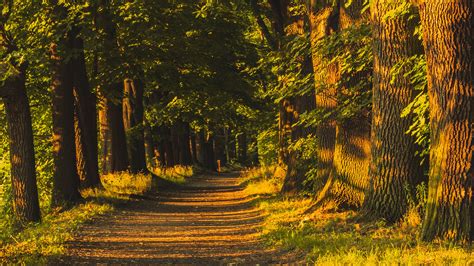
<point x="38" y="243"/>
<point x="335" y="238"/>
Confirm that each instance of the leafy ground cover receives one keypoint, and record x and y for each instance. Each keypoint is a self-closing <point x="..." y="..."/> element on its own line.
<point x="337" y="237"/>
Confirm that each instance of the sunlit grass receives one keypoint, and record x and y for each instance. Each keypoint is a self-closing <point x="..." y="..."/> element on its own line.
<point x="336" y="239"/>
<point x="126" y="183"/>
<point x="47" y="238"/>
<point x="176" y="174"/>
<point x="39" y="242"/>
<point x="262" y="180"/>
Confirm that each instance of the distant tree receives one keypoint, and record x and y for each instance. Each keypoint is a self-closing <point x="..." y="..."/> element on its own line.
<point x="133" y="124"/>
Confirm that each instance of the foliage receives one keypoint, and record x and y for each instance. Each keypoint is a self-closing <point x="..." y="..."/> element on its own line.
<point x="263" y="180"/>
<point x="338" y="239"/>
<point x="414" y="68"/>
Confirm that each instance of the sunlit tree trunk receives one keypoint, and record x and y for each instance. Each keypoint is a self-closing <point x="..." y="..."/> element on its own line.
<point x="348" y="178"/>
<point x="448" y="33"/>
<point x="394" y="167"/>
<point x="22" y="154"/>
<point x="323" y="20"/>
<point x="133" y="124"/>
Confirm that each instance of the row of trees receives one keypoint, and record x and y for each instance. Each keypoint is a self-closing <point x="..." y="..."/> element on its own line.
<point x="391" y="109"/>
<point x="133" y="86"/>
<point x="372" y="99"/>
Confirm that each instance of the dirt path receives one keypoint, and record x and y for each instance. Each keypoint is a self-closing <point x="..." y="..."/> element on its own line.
<point x="209" y="221"/>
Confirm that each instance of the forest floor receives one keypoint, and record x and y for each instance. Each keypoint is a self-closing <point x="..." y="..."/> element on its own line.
<point x="209" y="220"/>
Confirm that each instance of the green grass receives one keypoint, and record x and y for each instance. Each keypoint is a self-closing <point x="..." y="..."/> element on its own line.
<point x="39" y="242"/>
<point x="335" y="239"/>
<point x="176" y="174"/>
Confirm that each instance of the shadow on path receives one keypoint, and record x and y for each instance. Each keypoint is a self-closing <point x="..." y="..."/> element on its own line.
<point x="208" y="221"/>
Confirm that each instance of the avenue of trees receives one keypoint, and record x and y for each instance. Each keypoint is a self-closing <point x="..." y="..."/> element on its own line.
<point x="367" y="105"/>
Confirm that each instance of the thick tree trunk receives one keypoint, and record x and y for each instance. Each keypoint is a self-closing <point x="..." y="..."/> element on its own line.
<point x="85" y="120"/>
<point x="66" y="179"/>
<point x="323" y="20"/>
<point x="348" y="179"/>
<point x="448" y="39"/>
<point x="22" y="154"/>
<point x="133" y="124"/>
<point x="394" y="166"/>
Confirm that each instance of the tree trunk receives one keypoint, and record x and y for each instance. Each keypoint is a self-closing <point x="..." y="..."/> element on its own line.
<point x="323" y="20"/>
<point x="85" y="120"/>
<point x="167" y="145"/>
<point x="200" y="139"/>
<point x="348" y="179"/>
<point x="114" y="146"/>
<point x="66" y="179"/>
<point x="194" y="148"/>
<point x="394" y="166"/>
<point x="242" y="148"/>
<point x="448" y="39"/>
<point x="297" y="105"/>
<point x="150" y="146"/>
<point x="22" y="154"/>
<point x="185" y="157"/>
<point x="209" y="160"/>
<point x="219" y="151"/>
<point x="133" y="124"/>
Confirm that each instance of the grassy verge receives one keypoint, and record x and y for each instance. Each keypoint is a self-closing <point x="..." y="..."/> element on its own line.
<point x="42" y="241"/>
<point x="335" y="239"/>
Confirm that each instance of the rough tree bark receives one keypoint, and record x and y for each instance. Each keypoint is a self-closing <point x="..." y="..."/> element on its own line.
<point x="133" y="124"/>
<point x="66" y="179"/>
<point x="394" y="166"/>
<point x="22" y="154"/>
<point x="348" y="179"/>
<point x="448" y="40"/>
<point x="323" y="20"/>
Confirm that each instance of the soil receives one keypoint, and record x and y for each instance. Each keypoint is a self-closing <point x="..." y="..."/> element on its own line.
<point x="207" y="221"/>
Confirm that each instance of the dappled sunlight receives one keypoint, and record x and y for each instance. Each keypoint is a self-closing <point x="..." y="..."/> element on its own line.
<point x="208" y="218"/>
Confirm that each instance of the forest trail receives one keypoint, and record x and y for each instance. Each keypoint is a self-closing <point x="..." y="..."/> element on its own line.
<point x="207" y="221"/>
